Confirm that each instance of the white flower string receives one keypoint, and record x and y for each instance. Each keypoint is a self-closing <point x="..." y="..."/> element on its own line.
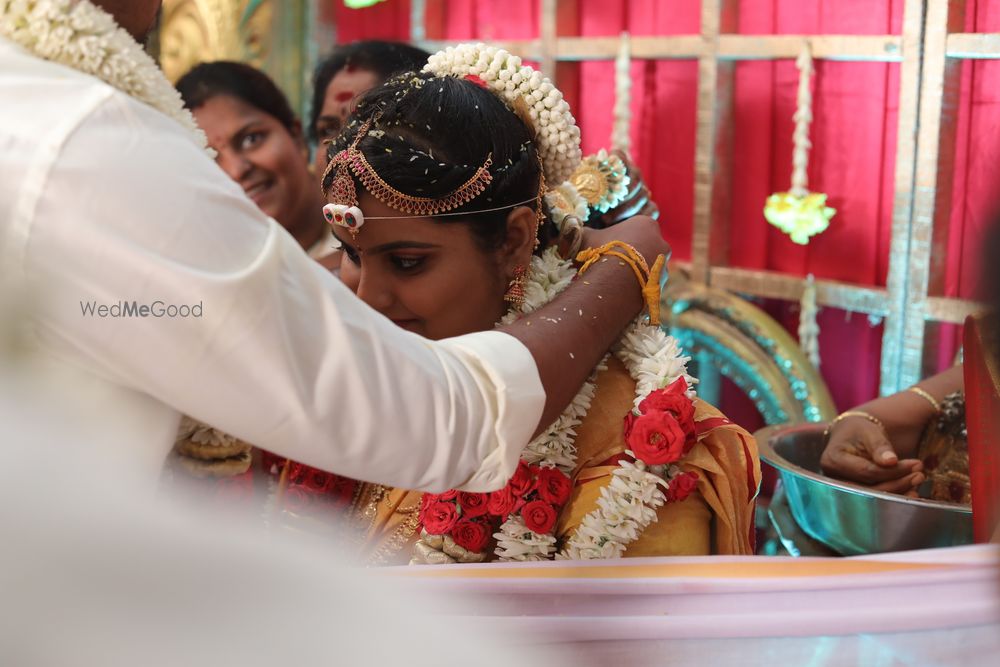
<point x="808" y="325"/>
<point x="621" y="138"/>
<point x="800" y="213"/>
<point x="556" y="132"/>
<point x="77" y="34"/>
<point x="803" y="119"/>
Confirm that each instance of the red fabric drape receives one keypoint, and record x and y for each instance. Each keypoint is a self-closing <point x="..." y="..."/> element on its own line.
<point x="853" y="134"/>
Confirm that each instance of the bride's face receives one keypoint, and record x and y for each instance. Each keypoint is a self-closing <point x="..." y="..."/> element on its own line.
<point x="428" y="277"/>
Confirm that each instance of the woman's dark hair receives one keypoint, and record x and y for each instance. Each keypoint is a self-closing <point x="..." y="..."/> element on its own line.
<point x="249" y="84"/>
<point x="429" y="136"/>
<point x="382" y="58"/>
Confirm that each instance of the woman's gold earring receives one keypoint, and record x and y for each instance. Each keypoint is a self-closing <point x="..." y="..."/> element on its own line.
<point x="515" y="290"/>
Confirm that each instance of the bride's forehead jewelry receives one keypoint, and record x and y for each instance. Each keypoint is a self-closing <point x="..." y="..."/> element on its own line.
<point x="344" y="210"/>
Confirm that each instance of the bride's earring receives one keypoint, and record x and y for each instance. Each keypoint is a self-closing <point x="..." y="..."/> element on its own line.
<point x="515" y="290"/>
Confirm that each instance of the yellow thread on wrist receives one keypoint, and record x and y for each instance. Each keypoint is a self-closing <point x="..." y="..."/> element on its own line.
<point x="649" y="280"/>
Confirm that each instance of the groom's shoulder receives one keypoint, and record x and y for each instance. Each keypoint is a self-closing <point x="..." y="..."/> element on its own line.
<point x="47" y="103"/>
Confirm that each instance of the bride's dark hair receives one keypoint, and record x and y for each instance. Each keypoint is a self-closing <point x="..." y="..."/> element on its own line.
<point x="430" y="136"/>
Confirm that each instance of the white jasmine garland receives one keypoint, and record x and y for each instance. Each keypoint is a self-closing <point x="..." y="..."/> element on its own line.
<point x="620" y="136"/>
<point x="557" y="135"/>
<point x="78" y="34"/>
<point x="565" y="201"/>
<point x="628" y="505"/>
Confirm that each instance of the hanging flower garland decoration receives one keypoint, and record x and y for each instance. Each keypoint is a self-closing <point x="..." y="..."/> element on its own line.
<point x="799" y="213"/>
<point x="77" y="34"/>
<point x="808" y="325"/>
<point x="621" y="138"/>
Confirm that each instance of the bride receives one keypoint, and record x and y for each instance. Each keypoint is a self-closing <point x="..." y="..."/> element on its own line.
<point x="450" y="191"/>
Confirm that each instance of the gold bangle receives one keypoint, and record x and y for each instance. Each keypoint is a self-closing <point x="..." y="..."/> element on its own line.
<point x="851" y="413"/>
<point x="926" y="396"/>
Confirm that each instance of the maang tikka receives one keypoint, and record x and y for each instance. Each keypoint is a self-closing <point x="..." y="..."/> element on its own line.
<point x="350" y="162"/>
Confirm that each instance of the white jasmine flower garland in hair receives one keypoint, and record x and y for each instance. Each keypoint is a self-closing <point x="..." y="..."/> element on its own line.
<point x="77" y="34"/>
<point x="557" y="135"/>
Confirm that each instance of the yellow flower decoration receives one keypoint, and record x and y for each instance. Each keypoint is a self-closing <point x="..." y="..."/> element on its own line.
<point x="799" y="216"/>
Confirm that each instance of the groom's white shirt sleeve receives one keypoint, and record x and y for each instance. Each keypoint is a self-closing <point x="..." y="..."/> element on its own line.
<point x="104" y="200"/>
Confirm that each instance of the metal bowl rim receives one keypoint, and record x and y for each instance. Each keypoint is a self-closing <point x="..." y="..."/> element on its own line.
<point x="767" y="453"/>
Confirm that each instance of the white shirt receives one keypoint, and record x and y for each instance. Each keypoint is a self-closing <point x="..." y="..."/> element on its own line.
<point x="105" y="201"/>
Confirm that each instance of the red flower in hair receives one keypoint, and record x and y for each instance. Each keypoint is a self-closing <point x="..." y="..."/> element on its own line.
<point x="476" y="80"/>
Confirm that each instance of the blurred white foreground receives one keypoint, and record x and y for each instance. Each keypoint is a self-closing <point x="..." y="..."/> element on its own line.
<point x="95" y="571"/>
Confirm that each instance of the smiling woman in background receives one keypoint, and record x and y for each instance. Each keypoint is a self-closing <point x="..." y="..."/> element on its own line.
<point x="261" y="146"/>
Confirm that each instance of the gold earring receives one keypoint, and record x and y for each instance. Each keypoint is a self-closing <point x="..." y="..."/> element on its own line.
<point x="515" y="290"/>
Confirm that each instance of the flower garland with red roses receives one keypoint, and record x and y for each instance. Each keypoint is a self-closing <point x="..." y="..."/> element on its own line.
<point x="457" y="526"/>
<point x="535" y="494"/>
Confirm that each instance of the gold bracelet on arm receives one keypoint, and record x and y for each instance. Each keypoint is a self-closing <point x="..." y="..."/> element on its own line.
<point x="926" y="396"/>
<point x="649" y="280"/>
<point x="852" y="413"/>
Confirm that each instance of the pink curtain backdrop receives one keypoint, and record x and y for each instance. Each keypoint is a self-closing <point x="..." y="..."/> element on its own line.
<point x="853" y="134"/>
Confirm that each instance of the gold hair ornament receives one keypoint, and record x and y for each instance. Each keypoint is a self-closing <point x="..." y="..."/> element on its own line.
<point x="344" y="210"/>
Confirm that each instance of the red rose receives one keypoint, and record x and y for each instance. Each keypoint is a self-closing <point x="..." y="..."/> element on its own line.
<point x="523" y="481"/>
<point x="501" y="503"/>
<point x="472" y="504"/>
<point x="316" y="480"/>
<point x="672" y="399"/>
<point x="448" y="495"/>
<point x="629" y="423"/>
<point x="554" y="486"/>
<point x="682" y="486"/>
<point x="539" y="516"/>
<point x="656" y="438"/>
<point x="471" y="535"/>
<point x="439" y="517"/>
<point x="476" y="80"/>
<point x="296" y="471"/>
